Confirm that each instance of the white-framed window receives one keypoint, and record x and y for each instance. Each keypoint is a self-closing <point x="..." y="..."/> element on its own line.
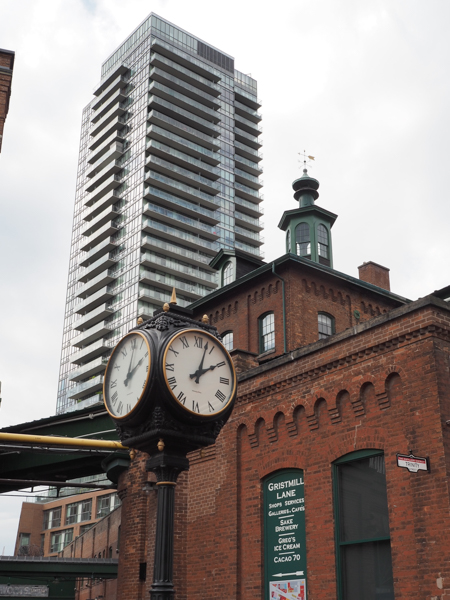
<point x="79" y="511"/>
<point x="303" y="240"/>
<point x="267" y="332"/>
<point x="325" y="324"/>
<point x="322" y="241"/>
<point x="60" y="539"/>
<point x="52" y="518"/>
<point x="228" y="273"/>
<point x="106" y="504"/>
<point x="227" y="340"/>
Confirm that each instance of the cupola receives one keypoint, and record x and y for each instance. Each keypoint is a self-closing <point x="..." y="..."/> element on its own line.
<point x="308" y="227"/>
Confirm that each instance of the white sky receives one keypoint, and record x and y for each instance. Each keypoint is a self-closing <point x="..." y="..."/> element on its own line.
<point x="362" y="86"/>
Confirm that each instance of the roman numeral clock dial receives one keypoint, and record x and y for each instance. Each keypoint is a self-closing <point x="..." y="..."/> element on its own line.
<point x="199" y="374"/>
<point x="127" y="375"/>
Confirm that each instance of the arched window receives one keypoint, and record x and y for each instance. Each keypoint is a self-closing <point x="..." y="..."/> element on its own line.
<point x="322" y="241"/>
<point x="267" y="332"/>
<point x="227" y="340"/>
<point x="288" y="241"/>
<point x="363" y="545"/>
<point x="326" y="325"/>
<point x="303" y="240"/>
<point x="228" y="273"/>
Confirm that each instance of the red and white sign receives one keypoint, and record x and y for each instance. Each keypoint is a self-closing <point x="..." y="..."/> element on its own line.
<point x="412" y="463"/>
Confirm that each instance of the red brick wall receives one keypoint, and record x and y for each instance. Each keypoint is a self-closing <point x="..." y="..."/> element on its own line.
<point x="7" y="61"/>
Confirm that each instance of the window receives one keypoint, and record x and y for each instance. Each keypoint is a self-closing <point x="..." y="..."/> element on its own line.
<point x="60" y="539"/>
<point x="24" y="539"/>
<point x="227" y="340"/>
<point x="303" y="240"/>
<point x="228" y="273"/>
<point x="326" y="325"/>
<point x="52" y="518"/>
<point x="106" y="504"/>
<point x="267" y="332"/>
<point x="78" y="512"/>
<point x="84" y="528"/>
<point x="322" y="245"/>
<point x="363" y="549"/>
<point x="288" y="241"/>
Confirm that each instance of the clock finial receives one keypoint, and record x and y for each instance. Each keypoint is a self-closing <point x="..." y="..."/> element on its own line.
<point x="140" y="321"/>
<point x="173" y="299"/>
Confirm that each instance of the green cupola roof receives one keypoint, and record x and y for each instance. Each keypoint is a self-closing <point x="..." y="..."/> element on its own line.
<point x="308" y="227"/>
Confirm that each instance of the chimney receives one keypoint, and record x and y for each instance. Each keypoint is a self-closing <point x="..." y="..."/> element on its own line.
<point x="375" y="274"/>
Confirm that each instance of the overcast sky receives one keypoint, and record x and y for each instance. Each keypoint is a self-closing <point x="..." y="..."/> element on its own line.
<point x="362" y="86"/>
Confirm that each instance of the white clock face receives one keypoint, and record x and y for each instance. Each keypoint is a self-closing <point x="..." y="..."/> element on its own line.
<point x="126" y="375"/>
<point x="199" y="372"/>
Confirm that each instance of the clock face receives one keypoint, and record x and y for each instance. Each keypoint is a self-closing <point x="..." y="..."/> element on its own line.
<point x="199" y="373"/>
<point x="127" y="375"/>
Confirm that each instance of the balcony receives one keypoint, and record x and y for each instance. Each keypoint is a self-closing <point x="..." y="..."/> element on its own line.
<point x="246" y="98"/>
<point x="99" y="314"/>
<point x="247" y="179"/>
<point x="247" y="165"/>
<point x="107" y="82"/>
<point x="247" y="221"/>
<point x="246" y="152"/>
<point x="113" y="126"/>
<point x="180" y="189"/>
<point x="187" y="60"/>
<point x="152" y="260"/>
<point x="245" y="138"/>
<point x="113" y="93"/>
<point x="106" y="231"/>
<point x="85" y="402"/>
<point x="111" y="183"/>
<point x="116" y="111"/>
<point x="162" y="91"/>
<point x="90" y="352"/>
<point x="248" y="208"/>
<point x="97" y="365"/>
<point x="176" y="218"/>
<point x="89" y="227"/>
<point x="160" y="297"/>
<point x="94" y="301"/>
<point x="250" y="249"/>
<point x="192" y="256"/>
<point x="245" y="192"/>
<point x="191" y="289"/>
<point x="184" y="88"/>
<point x="187" y="75"/>
<point x="247" y="125"/>
<point x="175" y="234"/>
<point x="194" y="135"/>
<point x="91" y="286"/>
<point x="244" y="234"/>
<point x="180" y="143"/>
<point x="87" y="388"/>
<point x="103" y="263"/>
<point x="104" y="147"/>
<point x="114" y="152"/>
<point x="247" y="112"/>
<point x="111" y="168"/>
<point x="98" y="251"/>
<point x="181" y="174"/>
<point x="182" y="159"/>
<point x="92" y="334"/>
<point x="190" y="208"/>
<point x="183" y="115"/>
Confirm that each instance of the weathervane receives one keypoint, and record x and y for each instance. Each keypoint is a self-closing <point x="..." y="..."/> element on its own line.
<point x="306" y="157"/>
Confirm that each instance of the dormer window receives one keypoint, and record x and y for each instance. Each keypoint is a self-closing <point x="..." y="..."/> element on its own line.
<point x="228" y="273"/>
<point x="303" y="240"/>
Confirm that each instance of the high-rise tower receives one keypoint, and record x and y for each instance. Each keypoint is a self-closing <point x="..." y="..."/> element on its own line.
<point x="168" y="174"/>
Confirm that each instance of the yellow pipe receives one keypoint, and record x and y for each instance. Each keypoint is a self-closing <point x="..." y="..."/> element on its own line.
<point x="50" y="440"/>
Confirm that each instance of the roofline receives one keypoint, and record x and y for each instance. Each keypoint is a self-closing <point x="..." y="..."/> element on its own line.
<point x="89" y="412"/>
<point x="310" y="265"/>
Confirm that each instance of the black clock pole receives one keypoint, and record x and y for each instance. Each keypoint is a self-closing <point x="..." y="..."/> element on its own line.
<point x="166" y="467"/>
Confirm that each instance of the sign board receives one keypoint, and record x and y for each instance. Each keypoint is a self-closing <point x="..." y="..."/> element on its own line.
<point x="23" y="591"/>
<point x="412" y="463"/>
<point x="284" y="536"/>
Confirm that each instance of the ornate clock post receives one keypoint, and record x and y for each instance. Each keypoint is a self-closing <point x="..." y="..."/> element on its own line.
<point x="170" y="386"/>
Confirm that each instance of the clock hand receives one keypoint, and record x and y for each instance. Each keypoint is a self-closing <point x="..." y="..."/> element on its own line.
<point x="199" y="372"/>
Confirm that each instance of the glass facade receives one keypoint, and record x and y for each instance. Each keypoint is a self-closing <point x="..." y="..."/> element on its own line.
<point x="169" y="147"/>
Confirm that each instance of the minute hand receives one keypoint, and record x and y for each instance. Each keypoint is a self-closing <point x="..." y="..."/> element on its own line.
<point x="198" y="373"/>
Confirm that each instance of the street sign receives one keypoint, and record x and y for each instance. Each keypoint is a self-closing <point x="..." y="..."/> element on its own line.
<point x="413" y="463"/>
<point x="284" y="536"/>
<point x="23" y="591"/>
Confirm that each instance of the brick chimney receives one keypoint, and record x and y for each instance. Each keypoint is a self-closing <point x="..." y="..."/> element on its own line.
<point x="375" y="274"/>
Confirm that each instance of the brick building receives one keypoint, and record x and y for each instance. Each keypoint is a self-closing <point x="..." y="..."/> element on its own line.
<point x="337" y="376"/>
<point x="47" y="528"/>
<point x="6" y="73"/>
